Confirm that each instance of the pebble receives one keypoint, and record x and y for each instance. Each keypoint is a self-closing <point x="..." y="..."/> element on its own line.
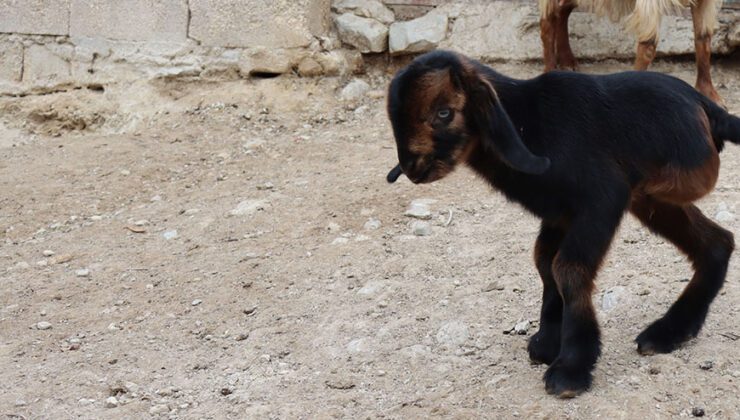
<point x="372" y="224"/>
<point x="421" y="228"/>
<point x="333" y="227"/>
<point x="226" y="391"/>
<point x="83" y="272"/>
<point x="697" y="412"/>
<point x="48" y="253"/>
<point x="706" y="365"/>
<point x="170" y="234"/>
<point x="247" y="207"/>
<point x="724" y="216"/>
<point x="611" y="298"/>
<point x="156" y="198"/>
<point x="453" y="333"/>
<point x="196" y="302"/>
<point x="340" y="383"/>
<point x="142" y="222"/>
<point x="96" y="218"/>
<point x="266" y="186"/>
<point x="522" y="327"/>
<point x="354" y="90"/>
<point x="85" y="401"/>
<point x="125" y="172"/>
<point x="61" y="259"/>
<point x="241" y="337"/>
<point x="20" y="403"/>
<point x="420" y="209"/>
<point x="111" y="402"/>
<point x="250" y="310"/>
<point x="159" y="409"/>
<point x="43" y="325"/>
<point x="190" y="212"/>
<point x="165" y="392"/>
<point x="494" y="285"/>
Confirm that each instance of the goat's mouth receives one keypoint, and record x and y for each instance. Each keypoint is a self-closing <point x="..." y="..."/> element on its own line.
<point x="429" y="174"/>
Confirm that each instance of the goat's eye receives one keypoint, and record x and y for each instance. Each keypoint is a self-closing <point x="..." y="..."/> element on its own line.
<point x="444" y="113"/>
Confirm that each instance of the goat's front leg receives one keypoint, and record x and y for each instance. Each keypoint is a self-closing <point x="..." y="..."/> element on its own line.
<point x="574" y="270"/>
<point x="544" y="345"/>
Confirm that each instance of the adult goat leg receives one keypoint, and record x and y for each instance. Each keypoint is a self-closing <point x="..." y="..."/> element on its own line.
<point x="703" y="46"/>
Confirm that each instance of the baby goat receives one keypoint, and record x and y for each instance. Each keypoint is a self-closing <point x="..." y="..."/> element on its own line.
<point x="643" y="18"/>
<point x="577" y="151"/>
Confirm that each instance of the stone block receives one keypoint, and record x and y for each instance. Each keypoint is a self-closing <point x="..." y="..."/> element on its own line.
<point x="11" y="61"/>
<point x="132" y="20"/>
<point x="365" y="34"/>
<point x="417" y="35"/>
<point x="268" y="61"/>
<point x="365" y="8"/>
<point x="734" y="36"/>
<point x="43" y="64"/>
<point x="38" y="17"/>
<point x="261" y="23"/>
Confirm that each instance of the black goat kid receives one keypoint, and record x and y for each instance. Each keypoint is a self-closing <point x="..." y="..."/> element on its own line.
<point x="577" y="151"/>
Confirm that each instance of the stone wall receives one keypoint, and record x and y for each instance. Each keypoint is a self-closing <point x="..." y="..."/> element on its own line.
<point x="56" y="43"/>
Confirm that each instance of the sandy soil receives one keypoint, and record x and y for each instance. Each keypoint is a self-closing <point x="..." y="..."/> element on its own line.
<point x="211" y="259"/>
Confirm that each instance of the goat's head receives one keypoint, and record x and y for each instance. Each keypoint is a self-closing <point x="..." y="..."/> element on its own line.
<point x="440" y="107"/>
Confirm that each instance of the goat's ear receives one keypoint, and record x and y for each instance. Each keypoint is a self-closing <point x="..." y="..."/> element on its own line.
<point x="497" y="132"/>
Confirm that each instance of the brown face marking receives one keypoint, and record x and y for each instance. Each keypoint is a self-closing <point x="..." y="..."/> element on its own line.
<point x="683" y="186"/>
<point x="432" y="90"/>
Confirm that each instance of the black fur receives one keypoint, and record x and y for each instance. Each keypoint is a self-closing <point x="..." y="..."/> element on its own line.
<point x="578" y="151"/>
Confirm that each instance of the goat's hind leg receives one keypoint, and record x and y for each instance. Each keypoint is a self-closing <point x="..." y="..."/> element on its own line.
<point x="544" y="345"/>
<point x="701" y="13"/>
<point x="548" y="24"/>
<point x="564" y="54"/>
<point x="708" y="247"/>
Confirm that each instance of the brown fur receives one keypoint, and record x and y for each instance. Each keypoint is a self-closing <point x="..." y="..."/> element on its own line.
<point x="682" y="186"/>
<point x="575" y="283"/>
<point x="432" y="86"/>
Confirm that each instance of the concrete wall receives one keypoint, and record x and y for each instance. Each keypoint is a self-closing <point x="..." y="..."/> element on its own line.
<point x="51" y="43"/>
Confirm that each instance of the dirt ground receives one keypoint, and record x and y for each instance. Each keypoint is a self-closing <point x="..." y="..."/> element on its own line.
<point x="202" y="250"/>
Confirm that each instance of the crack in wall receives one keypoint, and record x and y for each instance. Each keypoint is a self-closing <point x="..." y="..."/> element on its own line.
<point x="23" y="62"/>
<point x="187" y="23"/>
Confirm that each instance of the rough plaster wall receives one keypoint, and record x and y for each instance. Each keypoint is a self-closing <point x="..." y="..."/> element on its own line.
<point x="267" y="23"/>
<point x="42" y="17"/>
<point x="134" y="20"/>
<point x="45" y="43"/>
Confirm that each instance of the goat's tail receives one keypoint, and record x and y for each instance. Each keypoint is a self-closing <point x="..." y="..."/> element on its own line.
<point x="728" y="129"/>
<point x="724" y="126"/>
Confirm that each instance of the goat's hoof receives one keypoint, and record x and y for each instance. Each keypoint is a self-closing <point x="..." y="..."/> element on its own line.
<point x="543" y="347"/>
<point x="566" y="381"/>
<point x="664" y="336"/>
